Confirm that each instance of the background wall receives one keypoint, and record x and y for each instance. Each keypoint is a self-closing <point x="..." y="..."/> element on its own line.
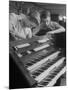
<point x="54" y="8"/>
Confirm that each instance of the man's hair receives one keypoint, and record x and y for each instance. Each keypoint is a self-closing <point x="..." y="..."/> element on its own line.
<point x="45" y="14"/>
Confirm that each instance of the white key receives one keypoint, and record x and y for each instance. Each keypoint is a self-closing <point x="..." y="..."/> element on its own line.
<point x="29" y="52"/>
<point x="19" y="55"/>
<point x="23" y="45"/>
<point x="53" y="81"/>
<point x="41" y="47"/>
<point x="38" y="64"/>
<point x="46" y="72"/>
<point x="43" y="40"/>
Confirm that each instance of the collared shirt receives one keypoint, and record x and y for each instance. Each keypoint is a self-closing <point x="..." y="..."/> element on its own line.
<point x="46" y="28"/>
<point x="52" y="25"/>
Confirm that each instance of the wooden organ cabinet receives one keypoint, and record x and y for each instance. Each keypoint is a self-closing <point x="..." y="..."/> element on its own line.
<point x="40" y="62"/>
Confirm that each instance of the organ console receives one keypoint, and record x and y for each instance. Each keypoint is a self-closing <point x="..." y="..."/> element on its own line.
<point x="39" y="61"/>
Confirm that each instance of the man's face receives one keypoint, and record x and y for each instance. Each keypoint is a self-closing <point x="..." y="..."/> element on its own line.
<point x="47" y="20"/>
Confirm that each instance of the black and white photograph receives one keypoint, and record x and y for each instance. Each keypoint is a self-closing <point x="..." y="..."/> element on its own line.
<point x="37" y="44"/>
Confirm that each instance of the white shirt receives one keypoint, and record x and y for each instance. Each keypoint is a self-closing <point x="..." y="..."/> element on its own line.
<point x="16" y="28"/>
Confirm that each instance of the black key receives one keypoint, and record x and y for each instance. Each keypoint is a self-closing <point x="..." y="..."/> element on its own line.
<point x="50" y="64"/>
<point x="37" y="59"/>
<point x="29" y="64"/>
<point x="43" y="67"/>
<point x="40" y="71"/>
<point x="48" y="79"/>
<point x="33" y="76"/>
<point x="36" y="74"/>
<point x="33" y="62"/>
<point x="51" y="76"/>
<point x="56" y="71"/>
<point x="46" y="67"/>
<point x="44" y="83"/>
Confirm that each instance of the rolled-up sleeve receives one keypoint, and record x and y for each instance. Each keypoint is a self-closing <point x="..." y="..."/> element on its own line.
<point x="57" y="25"/>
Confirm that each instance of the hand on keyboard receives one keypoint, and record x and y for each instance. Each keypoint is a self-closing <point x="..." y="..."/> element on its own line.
<point x="49" y="35"/>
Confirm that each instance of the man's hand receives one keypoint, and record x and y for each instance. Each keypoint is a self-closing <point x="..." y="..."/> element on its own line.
<point x="49" y="35"/>
<point x="60" y="30"/>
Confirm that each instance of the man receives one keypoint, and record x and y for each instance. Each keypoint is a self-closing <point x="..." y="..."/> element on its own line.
<point x="47" y="23"/>
<point x="18" y="26"/>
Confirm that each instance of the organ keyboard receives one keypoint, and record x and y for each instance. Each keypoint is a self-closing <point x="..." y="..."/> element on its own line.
<point x="40" y="62"/>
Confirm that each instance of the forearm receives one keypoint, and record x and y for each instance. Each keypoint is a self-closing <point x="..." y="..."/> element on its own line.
<point x="57" y="31"/>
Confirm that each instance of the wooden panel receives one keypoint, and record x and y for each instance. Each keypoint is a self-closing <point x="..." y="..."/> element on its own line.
<point x="22" y="68"/>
